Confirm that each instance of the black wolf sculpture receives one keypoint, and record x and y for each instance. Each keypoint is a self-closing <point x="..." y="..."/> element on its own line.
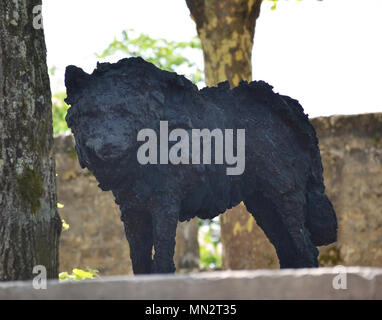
<point x="282" y="184"/>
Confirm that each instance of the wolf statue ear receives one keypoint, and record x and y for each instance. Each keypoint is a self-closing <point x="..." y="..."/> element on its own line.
<point x="75" y="79"/>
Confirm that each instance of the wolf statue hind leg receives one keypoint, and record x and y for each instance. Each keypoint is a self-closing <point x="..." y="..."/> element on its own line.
<point x="285" y="230"/>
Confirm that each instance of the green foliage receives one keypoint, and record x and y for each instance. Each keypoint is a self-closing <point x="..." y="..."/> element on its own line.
<point x="65" y="226"/>
<point x="52" y="70"/>
<point x="59" y="111"/>
<point x="210" y="244"/>
<point x="167" y="55"/>
<point x="78" y="275"/>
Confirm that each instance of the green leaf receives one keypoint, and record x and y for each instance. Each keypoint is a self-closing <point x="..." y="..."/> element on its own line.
<point x="59" y="110"/>
<point x="65" y="226"/>
<point x="78" y="275"/>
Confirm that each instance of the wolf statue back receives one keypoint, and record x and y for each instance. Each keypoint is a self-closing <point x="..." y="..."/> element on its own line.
<point x="278" y="177"/>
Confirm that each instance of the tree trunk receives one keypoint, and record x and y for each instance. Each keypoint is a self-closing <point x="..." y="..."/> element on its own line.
<point x="29" y="222"/>
<point x="226" y="29"/>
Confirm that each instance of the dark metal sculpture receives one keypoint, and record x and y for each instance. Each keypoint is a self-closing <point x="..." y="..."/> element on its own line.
<point x="282" y="184"/>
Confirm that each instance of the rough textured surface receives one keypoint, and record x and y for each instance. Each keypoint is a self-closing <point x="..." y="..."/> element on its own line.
<point x="29" y="223"/>
<point x="361" y="283"/>
<point x="96" y="238"/>
<point x="282" y="185"/>
<point x="226" y="29"/>
<point x="351" y="150"/>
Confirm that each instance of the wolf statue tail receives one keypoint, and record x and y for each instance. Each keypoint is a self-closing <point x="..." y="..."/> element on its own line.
<point x="321" y="219"/>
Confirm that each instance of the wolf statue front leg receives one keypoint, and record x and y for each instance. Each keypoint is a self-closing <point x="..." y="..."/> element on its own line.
<point x="138" y="229"/>
<point x="165" y="217"/>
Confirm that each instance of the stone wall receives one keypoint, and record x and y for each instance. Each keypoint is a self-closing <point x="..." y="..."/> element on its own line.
<point x="96" y="236"/>
<point x="351" y="149"/>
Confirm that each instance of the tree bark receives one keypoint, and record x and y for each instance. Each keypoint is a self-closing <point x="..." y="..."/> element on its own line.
<point x="226" y="29"/>
<point x="29" y="222"/>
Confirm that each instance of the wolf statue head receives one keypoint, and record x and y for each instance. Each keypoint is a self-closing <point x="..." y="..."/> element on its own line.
<point x="110" y="106"/>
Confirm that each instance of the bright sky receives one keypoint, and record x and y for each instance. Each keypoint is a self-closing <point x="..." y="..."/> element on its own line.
<point x="326" y="54"/>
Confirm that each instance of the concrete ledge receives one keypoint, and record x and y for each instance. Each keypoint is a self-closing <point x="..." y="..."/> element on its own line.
<point x="361" y="283"/>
